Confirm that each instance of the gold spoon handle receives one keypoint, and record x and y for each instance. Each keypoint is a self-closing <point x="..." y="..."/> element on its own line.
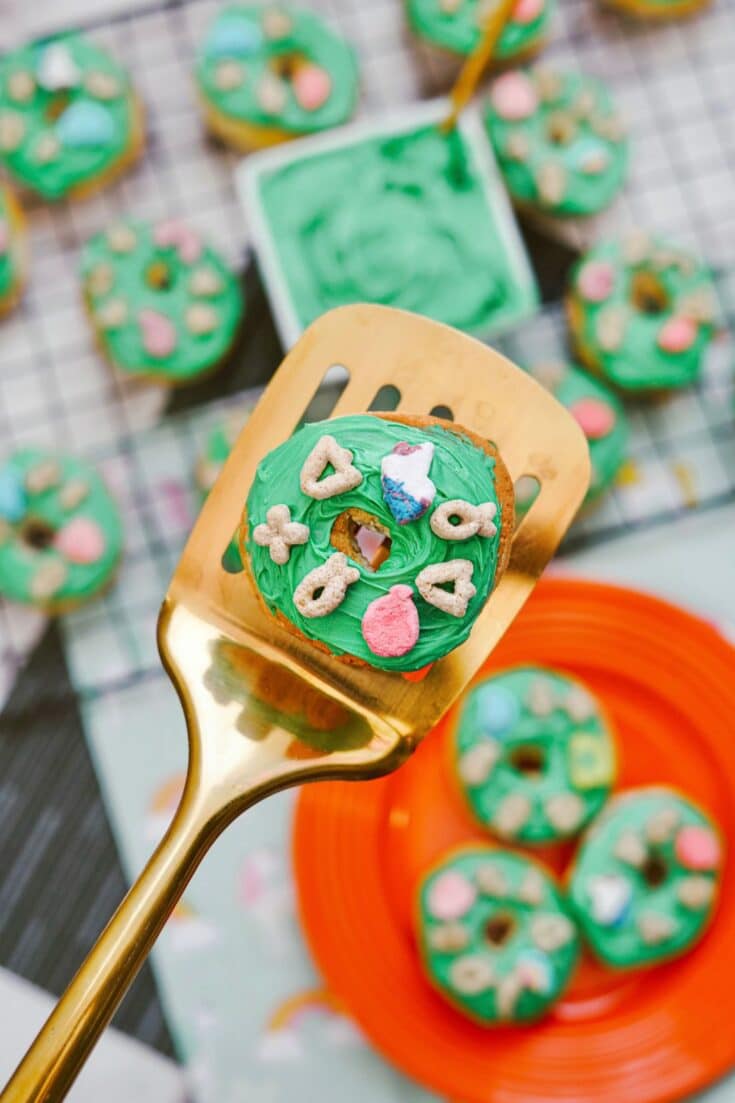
<point x="55" y="1058"/>
<point x="474" y="66"/>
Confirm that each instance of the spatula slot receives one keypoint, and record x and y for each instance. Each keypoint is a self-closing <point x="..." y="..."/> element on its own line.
<point x="386" y="399"/>
<point x="328" y="392"/>
<point x="527" y="489"/>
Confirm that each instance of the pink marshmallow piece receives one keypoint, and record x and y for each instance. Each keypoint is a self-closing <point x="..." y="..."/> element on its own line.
<point x="182" y="237"/>
<point x="596" y="281"/>
<point x="526" y="11"/>
<point x="513" y="96"/>
<point x="312" y="87"/>
<point x="390" y="625"/>
<point x="594" y="417"/>
<point x="159" y="333"/>
<point x="451" y="896"/>
<point x="677" y="335"/>
<point x="80" y="541"/>
<point x="698" y="848"/>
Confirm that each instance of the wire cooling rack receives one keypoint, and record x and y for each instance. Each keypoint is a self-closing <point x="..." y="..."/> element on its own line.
<point x="672" y="83"/>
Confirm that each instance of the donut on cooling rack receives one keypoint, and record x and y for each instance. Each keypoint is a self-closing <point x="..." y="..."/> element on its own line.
<point x="457" y="25"/>
<point x="560" y="144"/>
<point x="13" y="250"/>
<point x="60" y="531"/>
<point x="164" y="305"/>
<point x="495" y="936"/>
<point x="641" y="313"/>
<point x="379" y="538"/>
<point x="533" y="754"/>
<point x="645" y="879"/>
<point x="70" y="120"/>
<point x="267" y="73"/>
<point x="658" y="9"/>
<point x="598" y="412"/>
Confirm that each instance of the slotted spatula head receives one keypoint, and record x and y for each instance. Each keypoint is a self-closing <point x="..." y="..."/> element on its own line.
<point x="265" y="706"/>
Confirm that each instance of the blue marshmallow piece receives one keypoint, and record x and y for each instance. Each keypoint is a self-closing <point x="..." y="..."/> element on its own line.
<point x="85" y="124"/>
<point x="234" y="38"/>
<point x="498" y="710"/>
<point x="13" y="499"/>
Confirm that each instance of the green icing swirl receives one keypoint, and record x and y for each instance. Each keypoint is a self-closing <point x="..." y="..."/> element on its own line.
<point x="38" y="144"/>
<point x="575" y="388"/>
<point x="404" y="220"/>
<point x="619" y="338"/>
<point x="461" y="30"/>
<point x="115" y="275"/>
<point x="23" y="564"/>
<point x="543" y="755"/>
<point x="620" y="943"/>
<point x="239" y="35"/>
<point x="546" y="156"/>
<point x="10" y="247"/>
<point x="542" y="942"/>
<point x="458" y="469"/>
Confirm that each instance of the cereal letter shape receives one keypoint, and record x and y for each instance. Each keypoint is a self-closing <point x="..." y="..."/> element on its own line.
<point x="472" y="520"/>
<point x="431" y="579"/>
<point x="346" y="477"/>
<point x="280" y="533"/>
<point x="407" y="489"/>
<point x="330" y="582"/>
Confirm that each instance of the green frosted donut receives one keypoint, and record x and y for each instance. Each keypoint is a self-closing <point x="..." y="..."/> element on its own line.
<point x="216" y="451"/>
<point x="645" y="880"/>
<point x="495" y="937"/>
<point x="162" y="302"/>
<point x="457" y="25"/>
<point x="60" y="531"/>
<point x="13" y="250"/>
<point x="69" y="118"/>
<point x="379" y="539"/>
<point x="642" y="313"/>
<point x="599" y="414"/>
<point x="267" y="72"/>
<point x="533" y="754"/>
<point x="658" y="9"/>
<point x="560" y="145"/>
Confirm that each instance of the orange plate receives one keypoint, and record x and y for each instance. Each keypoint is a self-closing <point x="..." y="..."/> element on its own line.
<point x="667" y="680"/>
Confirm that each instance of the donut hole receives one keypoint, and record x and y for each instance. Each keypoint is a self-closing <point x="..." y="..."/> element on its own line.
<point x="56" y="106"/>
<point x="37" y="534"/>
<point x="528" y="759"/>
<point x="560" y="129"/>
<point x="362" y="537"/>
<point x="499" y="928"/>
<point x="160" y="276"/>
<point x="286" y="65"/>
<point x="648" y="294"/>
<point x="655" y="869"/>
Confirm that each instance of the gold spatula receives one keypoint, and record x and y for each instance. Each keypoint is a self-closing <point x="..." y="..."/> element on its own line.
<point x="229" y="660"/>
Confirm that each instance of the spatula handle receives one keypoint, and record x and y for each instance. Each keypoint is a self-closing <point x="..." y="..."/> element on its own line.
<point x="52" y="1063"/>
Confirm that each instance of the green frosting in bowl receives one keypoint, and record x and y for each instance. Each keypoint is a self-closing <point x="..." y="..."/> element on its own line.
<point x="457" y="25"/>
<point x="458" y="470"/>
<point x="68" y="114"/>
<point x="409" y="219"/>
